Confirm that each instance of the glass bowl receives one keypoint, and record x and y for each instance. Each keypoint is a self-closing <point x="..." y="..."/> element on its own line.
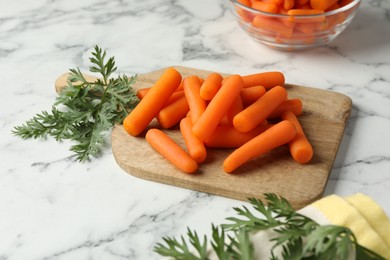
<point x="293" y="32"/>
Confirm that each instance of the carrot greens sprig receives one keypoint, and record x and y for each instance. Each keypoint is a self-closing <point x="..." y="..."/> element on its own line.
<point x="88" y="109"/>
<point x="298" y="236"/>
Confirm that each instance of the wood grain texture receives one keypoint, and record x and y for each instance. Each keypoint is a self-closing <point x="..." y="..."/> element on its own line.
<point x="324" y="119"/>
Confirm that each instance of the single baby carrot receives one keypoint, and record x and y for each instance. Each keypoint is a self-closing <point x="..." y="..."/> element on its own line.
<point x="306" y="12"/>
<point x="256" y="113"/>
<point x="322" y="4"/>
<point x="234" y="109"/>
<point x="265" y="79"/>
<point x="267" y="7"/>
<point x="210" y="86"/>
<point x="251" y="94"/>
<point x="170" y="150"/>
<point x="288" y="4"/>
<point x="218" y="107"/>
<point x="226" y="136"/>
<point x="171" y="114"/>
<point x="245" y="2"/>
<point x="275" y="136"/>
<point x="300" y="148"/>
<point x="141" y="93"/>
<point x="195" y="147"/>
<point x="151" y="104"/>
<point x="293" y="105"/>
<point x="197" y="105"/>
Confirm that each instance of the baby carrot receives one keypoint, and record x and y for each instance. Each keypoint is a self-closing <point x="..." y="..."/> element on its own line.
<point x="265" y="79"/>
<point x="293" y="105"/>
<point x="273" y="137"/>
<point x="300" y="148"/>
<point x="226" y="136"/>
<point x="234" y="109"/>
<point x="218" y="107"/>
<point x="245" y="2"/>
<point x="288" y="4"/>
<point x="210" y="86"/>
<point x="197" y="105"/>
<point x="245" y="15"/>
<point x="170" y="150"/>
<point x="171" y="114"/>
<point x="151" y="104"/>
<point x="267" y="7"/>
<point x="175" y="96"/>
<point x="256" y="113"/>
<point x="195" y="147"/>
<point x="277" y="2"/>
<point x="322" y="4"/>
<point x="251" y="94"/>
<point x="142" y="92"/>
<point x="305" y="12"/>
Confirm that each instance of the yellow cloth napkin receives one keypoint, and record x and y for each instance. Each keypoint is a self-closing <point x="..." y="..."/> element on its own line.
<point x="358" y="212"/>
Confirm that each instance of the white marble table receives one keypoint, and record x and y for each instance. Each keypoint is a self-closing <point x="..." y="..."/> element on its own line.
<point x="52" y="207"/>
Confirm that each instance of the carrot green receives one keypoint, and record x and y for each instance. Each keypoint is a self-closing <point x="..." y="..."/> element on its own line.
<point x="88" y="110"/>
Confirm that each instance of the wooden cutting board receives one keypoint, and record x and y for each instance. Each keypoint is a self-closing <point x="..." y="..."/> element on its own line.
<point x="323" y="119"/>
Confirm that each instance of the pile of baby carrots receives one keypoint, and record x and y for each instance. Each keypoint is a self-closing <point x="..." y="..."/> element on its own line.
<point x="285" y="6"/>
<point x="251" y="114"/>
<point x="292" y="26"/>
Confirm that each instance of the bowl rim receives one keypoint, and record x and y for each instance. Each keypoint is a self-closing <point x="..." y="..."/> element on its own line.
<point x="336" y="11"/>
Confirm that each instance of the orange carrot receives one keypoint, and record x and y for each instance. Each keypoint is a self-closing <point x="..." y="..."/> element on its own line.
<point x="293" y="105"/>
<point x="300" y="148"/>
<point x="142" y="92"/>
<point x="277" y="2"/>
<point x="322" y="4"/>
<point x="197" y="105"/>
<point x="171" y="114"/>
<point x="234" y="109"/>
<point x="256" y="113"/>
<point x="265" y="79"/>
<point x="251" y="94"/>
<point x="151" y="104"/>
<point x="226" y="136"/>
<point x="175" y="95"/>
<point x="275" y="136"/>
<point x="245" y="2"/>
<point x="210" y="86"/>
<point x="288" y="4"/>
<point x="265" y="7"/>
<point x="305" y="12"/>
<point x="218" y="107"/>
<point x="270" y="26"/>
<point x="170" y="150"/>
<point x="195" y="147"/>
<point x="245" y="15"/>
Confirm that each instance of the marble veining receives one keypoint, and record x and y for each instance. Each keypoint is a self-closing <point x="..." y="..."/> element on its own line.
<point x="52" y="207"/>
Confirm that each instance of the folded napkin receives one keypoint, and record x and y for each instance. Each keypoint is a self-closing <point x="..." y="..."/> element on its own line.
<point x="358" y="212"/>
